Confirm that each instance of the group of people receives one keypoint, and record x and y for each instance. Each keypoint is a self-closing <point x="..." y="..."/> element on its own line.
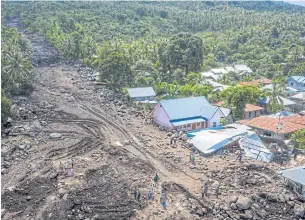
<point x="172" y="140"/>
<point x="67" y="168"/>
<point x="239" y="153"/>
<point x="137" y="194"/>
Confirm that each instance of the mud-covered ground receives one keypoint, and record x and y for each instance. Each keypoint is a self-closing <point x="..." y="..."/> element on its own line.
<point x="114" y="150"/>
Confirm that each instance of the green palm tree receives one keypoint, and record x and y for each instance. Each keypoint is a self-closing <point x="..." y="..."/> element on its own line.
<point x="15" y="67"/>
<point x="274" y="94"/>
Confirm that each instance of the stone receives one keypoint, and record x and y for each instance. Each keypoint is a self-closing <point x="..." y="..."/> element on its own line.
<point x="261" y="213"/>
<point x="233" y="199"/>
<point x="80" y="217"/>
<point x="4" y="171"/>
<point x="61" y="192"/>
<point x="243" y="203"/>
<point x="3" y="211"/>
<point x="233" y="206"/>
<point x="28" y="198"/>
<point x="244" y="217"/>
<point x="169" y="134"/>
<point x="249" y="213"/>
<point x="192" y="166"/>
<point x="180" y="133"/>
<point x="199" y="212"/>
<point x="299" y="210"/>
<point x="184" y="137"/>
<point x="291" y="203"/>
<point x="215" y="184"/>
<point x="255" y="206"/>
<point x="204" y="210"/>
<point x="22" y="146"/>
<point x="281" y="198"/>
<point x="55" y="136"/>
<point x="53" y="175"/>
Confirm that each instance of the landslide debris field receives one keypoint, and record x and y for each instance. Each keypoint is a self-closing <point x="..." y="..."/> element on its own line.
<point x="115" y="149"/>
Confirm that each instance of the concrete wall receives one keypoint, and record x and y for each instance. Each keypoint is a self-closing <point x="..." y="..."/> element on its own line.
<point x="252" y="114"/>
<point x="215" y="118"/>
<point x="292" y="83"/>
<point x="160" y="117"/>
<point x="144" y="98"/>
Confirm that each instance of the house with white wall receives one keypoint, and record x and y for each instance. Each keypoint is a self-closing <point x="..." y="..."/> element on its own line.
<point x="187" y="114"/>
<point x="296" y="82"/>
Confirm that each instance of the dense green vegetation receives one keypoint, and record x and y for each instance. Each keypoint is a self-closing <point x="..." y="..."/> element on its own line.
<point x="167" y="44"/>
<point x="16" y="69"/>
<point x="299" y="138"/>
<point x="6" y="106"/>
<point x="237" y="97"/>
<point x="267" y="36"/>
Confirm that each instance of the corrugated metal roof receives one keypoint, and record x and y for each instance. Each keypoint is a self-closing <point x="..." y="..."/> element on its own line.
<point x="255" y="148"/>
<point x="299" y="79"/>
<point x="241" y="68"/>
<point x="188" y="121"/>
<point x="299" y="96"/>
<point x="141" y="92"/>
<point x="286" y="102"/>
<point x="225" y="111"/>
<point x="210" y="141"/>
<point x="296" y="174"/>
<point x="185" y="108"/>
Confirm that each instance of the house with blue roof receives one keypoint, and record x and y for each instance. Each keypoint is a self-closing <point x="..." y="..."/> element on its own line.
<point x="142" y="94"/>
<point x="187" y="114"/>
<point x="296" y="82"/>
<point x="295" y="179"/>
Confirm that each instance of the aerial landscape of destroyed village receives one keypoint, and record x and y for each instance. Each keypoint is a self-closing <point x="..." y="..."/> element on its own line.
<point x="152" y="110"/>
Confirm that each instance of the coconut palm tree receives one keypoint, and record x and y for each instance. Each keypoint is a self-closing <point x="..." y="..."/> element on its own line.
<point x="15" y="68"/>
<point x="274" y="94"/>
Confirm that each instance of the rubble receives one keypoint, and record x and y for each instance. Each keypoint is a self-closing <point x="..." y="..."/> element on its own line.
<point x="299" y="210"/>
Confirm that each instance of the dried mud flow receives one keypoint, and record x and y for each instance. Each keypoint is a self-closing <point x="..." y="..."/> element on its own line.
<point x="115" y="148"/>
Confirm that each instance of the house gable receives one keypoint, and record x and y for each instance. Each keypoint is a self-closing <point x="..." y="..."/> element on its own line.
<point x="160" y="116"/>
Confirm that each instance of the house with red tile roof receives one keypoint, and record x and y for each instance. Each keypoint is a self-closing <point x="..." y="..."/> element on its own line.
<point x="251" y="111"/>
<point x="275" y="127"/>
<point x="257" y="82"/>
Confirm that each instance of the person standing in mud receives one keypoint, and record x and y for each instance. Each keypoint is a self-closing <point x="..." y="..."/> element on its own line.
<point x="150" y="192"/>
<point x="138" y="195"/>
<point x="61" y="169"/>
<point x="192" y="157"/>
<point x="72" y="163"/>
<point x="217" y="191"/>
<point x="156" y="178"/>
<point x="205" y="189"/>
<point x="65" y="168"/>
<point x="240" y="156"/>
<point x="135" y="193"/>
<point x="188" y="195"/>
<point x="163" y="201"/>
